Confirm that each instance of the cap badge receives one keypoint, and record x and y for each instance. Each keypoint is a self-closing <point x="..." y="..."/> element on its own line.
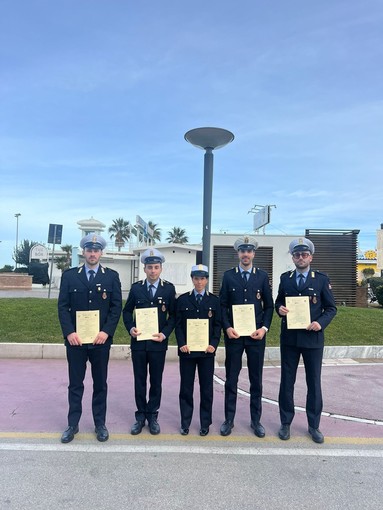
<point x="246" y="240"/>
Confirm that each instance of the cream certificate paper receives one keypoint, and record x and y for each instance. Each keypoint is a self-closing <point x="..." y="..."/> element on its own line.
<point x="147" y="322"/>
<point x="244" y="319"/>
<point x="299" y="312"/>
<point x="197" y="334"/>
<point x="88" y="325"/>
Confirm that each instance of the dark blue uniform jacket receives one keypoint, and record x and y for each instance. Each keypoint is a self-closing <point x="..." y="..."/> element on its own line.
<point x="234" y="291"/>
<point x="77" y="294"/>
<point x="187" y="308"/>
<point x="322" y="307"/>
<point x="164" y="300"/>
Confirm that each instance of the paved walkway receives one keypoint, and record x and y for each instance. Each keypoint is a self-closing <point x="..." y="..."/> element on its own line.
<point x="33" y="400"/>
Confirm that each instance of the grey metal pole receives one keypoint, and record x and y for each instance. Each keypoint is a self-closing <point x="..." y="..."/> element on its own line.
<point x="17" y="215"/>
<point x="52" y="261"/>
<point x="207" y="205"/>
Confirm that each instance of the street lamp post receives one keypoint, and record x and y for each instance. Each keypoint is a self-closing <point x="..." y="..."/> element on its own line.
<point x="208" y="139"/>
<point x="17" y="235"/>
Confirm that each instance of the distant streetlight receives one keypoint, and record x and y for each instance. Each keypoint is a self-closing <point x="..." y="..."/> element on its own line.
<point x="17" y="235"/>
<point x="208" y="139"/>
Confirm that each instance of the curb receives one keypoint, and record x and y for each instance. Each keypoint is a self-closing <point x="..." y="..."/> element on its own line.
<point x="9" y="350"/>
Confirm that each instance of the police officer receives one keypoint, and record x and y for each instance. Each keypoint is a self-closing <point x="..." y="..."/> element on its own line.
<point x="149" y="293"/>
<point x="245" y="284"/>
<point x="197" y="304"/>
<point x="89" y="287"/>
<point x="309" y="342"/>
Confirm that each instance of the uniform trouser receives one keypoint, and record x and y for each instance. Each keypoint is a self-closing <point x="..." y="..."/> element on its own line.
<point x="155" y="360"/>
<point x="205" y="366"/>
<point x="312" y="359"/>
<point x="233" y="363"/>
<point x="77" y="358"/>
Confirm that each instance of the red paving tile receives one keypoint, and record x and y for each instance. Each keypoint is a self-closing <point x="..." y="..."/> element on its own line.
<point x="33" y="398"/>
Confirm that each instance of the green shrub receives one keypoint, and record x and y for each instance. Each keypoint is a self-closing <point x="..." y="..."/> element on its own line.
<point x="379" y="294"/>
<point x="375" y="283"/>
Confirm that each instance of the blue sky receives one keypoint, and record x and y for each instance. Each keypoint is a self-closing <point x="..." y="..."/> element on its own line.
<point x="96" y="96"/>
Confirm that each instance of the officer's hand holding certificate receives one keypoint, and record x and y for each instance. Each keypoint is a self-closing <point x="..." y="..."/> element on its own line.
<point x="197" y="334"/>
<point x="88" y="325"/>
<point x="244" y="319"/>
<point x="147" y="322"/>
<point x="298" y="316"/>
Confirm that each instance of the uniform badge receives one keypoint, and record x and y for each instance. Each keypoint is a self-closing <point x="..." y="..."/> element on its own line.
<point x="104" y="296"/>
<point x="315" y="300"/>
<point x="163" y="308"/>
<point x="210" y="314"/>
<point x="258" y="295"/>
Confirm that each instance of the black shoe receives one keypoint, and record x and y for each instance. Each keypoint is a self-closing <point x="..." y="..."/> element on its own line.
<point x="68" y="434"/>
<point x="284" y="432"/>
<point x="137" y="427"/>
<point x="102" y="433"/>
<point x="258" y="428"/>
<point x="154" y="427"/>
<point x="184" y="432"/>
<point x="316" y="435"/>
<point x="226" y="427"/>
<point x="204" y="432"/>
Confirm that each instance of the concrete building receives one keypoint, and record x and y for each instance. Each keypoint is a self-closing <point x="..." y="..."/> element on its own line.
<point x="272" y="255"/>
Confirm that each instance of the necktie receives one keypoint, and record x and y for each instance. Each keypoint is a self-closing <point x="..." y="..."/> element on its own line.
<point x="199" y="299"/>
<point x="245" y="276"/>
<point x="91" y="276"/>
<point x="301" y="280"/>
<point x="151" y="291"/>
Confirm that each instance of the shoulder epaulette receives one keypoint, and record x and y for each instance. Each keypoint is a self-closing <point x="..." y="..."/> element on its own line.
<point x="103" y="269"/>
<point x="162" y="282"/>
<point x="289" y="273"/>
<point x="318" y="272"/>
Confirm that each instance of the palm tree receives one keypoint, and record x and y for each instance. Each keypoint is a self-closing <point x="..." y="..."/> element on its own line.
<point x="64" y="261"/>
<point x="177" y="235"/>
<point x="120" y="230"/>
<point x="156" y="231"/>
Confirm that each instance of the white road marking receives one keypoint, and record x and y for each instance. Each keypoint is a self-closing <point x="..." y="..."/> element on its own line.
<point x="303" y="409"/>
<point x="205" y="450"/>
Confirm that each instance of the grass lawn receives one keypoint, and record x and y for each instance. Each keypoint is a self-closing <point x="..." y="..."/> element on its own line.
<point x="34" y="320"/>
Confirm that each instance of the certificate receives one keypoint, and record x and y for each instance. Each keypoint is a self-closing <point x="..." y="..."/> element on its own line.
<point x="299" y="312"/>
<point x="244" y="319"/>
<point x="197" y="334"/>
<point x="147" y="322"/>
<point x="88" y="325"/>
